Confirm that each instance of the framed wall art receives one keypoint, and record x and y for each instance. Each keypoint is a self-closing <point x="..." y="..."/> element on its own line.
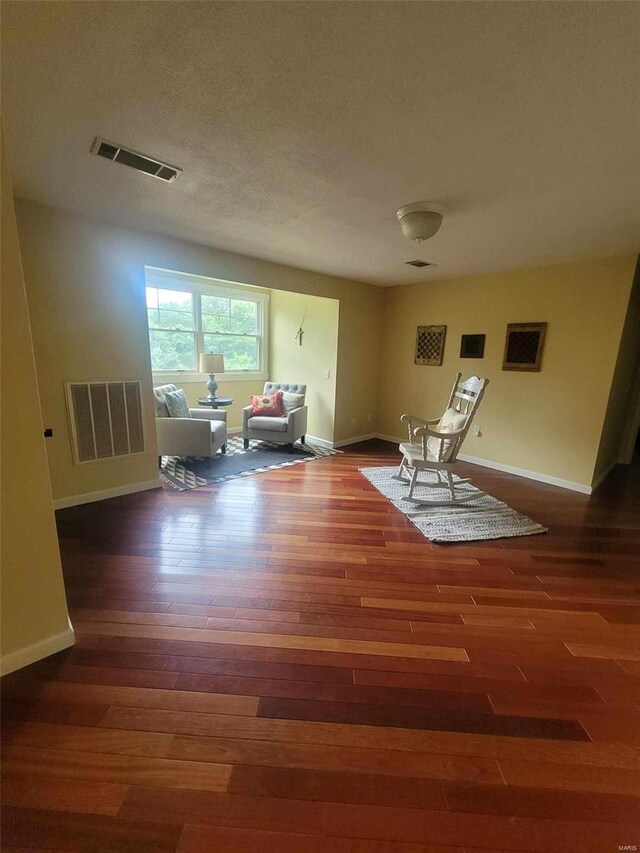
<point x="472" y="346"/>
<point x="430" y="345"/>
<point x="523" y="346"/>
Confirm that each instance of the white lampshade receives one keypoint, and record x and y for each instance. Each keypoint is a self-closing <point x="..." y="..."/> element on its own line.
<point x="211" y="362"/>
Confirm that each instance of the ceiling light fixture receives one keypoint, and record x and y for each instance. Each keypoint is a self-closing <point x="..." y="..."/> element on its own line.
<point x="418" y="221"/>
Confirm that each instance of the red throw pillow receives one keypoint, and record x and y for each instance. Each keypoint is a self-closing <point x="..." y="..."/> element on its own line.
<point x="267" y="405"/>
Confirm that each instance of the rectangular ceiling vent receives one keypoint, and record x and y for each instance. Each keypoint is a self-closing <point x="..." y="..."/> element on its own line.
<point x="105" y="419"/>
<point x="420" y="264"/>
<point x="140" y="162"/>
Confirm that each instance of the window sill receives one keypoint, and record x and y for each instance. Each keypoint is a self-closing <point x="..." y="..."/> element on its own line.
<point x="169" y="378"/>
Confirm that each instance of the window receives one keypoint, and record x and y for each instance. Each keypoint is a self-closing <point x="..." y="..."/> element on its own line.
<point x="230" y="326"/>
<point x="187" y="316"/>
<point x="172" y="329"/>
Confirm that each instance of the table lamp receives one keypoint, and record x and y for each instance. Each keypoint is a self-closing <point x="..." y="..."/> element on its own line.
<point x="211" y="363"/>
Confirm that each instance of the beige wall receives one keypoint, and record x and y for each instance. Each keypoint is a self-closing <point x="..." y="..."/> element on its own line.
<point x="85" y="288"/>
<point x="290" y="362"/>
<point x="34" y="611"/>
<point x="619" y="419"/>
<point x="548" y="422"/>
<point x="85" y="285"/>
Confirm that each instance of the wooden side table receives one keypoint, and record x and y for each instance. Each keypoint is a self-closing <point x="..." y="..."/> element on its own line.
<point x="216" y="402"/>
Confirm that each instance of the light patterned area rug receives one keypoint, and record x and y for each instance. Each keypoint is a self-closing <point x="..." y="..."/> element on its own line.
<point x="482" y="518"/>
<point x="191" y="473"/>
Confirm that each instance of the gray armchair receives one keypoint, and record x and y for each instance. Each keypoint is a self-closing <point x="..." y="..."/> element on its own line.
<point x="286" y="430"/>
<point x="203" y="434"/>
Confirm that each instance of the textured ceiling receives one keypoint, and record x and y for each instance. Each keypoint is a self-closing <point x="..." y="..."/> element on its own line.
<point x="301" y="127"/>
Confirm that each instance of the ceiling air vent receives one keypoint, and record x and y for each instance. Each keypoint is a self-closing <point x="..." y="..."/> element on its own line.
<point x="140" y="162"/>
<point x="420" y="264"/>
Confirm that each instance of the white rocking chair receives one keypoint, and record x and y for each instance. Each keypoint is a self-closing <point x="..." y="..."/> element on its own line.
<point x="434" y="444"/>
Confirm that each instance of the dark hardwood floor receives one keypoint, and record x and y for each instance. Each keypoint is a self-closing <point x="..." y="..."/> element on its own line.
<point x="283" y="663"/>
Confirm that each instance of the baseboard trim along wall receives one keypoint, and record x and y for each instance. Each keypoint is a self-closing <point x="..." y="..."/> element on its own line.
<point x="104" y="494"/>
<point x="356" y="438"/>
<point x="392" y="438"/>
<point x="323" y="442"/>
<point x="37" y="651"/>
<point x="583" y="488"/>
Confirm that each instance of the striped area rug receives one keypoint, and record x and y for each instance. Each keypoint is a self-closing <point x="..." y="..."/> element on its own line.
<point x="482" y="518"/>
<point x="183" y="473"/>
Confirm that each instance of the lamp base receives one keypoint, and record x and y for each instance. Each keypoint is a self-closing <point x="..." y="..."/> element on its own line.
<point x="212" y="386"/>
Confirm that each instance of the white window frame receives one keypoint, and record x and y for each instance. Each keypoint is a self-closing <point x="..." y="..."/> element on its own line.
<point x="201" y="286"/>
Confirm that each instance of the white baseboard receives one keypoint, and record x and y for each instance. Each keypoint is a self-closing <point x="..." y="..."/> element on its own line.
<point x="584" y="488"/>
<point x="392" y="438"/>
<point x="355" y="440"/>
<point x="37" y="651"/>
<point x="323" y="442"/>
<point x="104" y="494"/>
<point x="600" y="480"/>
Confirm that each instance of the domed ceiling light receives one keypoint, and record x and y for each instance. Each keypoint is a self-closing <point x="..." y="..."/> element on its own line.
<point x="418" y="222"/>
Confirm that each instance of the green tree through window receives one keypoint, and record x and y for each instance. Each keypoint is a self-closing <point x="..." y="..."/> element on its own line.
<point x="172" y="333"/>
<point x="182" y="324"/>
<point x="230" y="326"/>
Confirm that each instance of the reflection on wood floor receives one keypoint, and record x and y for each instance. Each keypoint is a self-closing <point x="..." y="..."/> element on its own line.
<point x="282" y="662"/>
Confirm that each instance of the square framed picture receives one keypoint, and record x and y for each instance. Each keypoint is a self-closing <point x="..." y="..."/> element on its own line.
<point x="523" y="346"/>
<point x="472" y="346"/>
<point x="430" y="345"/>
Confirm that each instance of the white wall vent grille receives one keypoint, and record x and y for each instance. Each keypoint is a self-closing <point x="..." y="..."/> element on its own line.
<point x="106" y="419"/>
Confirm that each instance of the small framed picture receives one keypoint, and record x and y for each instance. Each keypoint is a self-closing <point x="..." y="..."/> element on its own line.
<point x="523" y="346"/>
<point x="430" y="345"/>
<point x="472" y="346"/>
